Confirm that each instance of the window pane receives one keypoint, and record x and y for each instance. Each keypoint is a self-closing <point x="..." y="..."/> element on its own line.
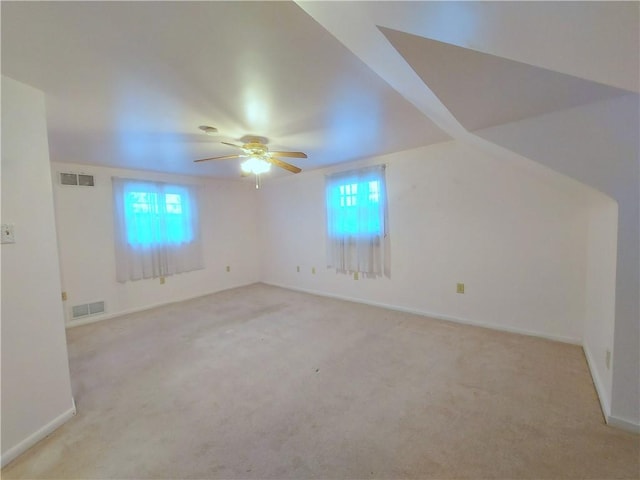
<point x="150" y="223"/>
<point x="356" y="210"/>
<point x="374" y="195"/>
<point x="173" y="203"/>
<point x="143" y="202"/>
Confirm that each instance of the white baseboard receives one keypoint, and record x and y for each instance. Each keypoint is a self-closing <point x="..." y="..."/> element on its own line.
<point x="597" y="382"/>
<point x="108" y="316"/>
<point x="611" y="420"/>
<point x="623" y="424"/>
<point x="438" y="316"/>
<point x="38" y="435"/>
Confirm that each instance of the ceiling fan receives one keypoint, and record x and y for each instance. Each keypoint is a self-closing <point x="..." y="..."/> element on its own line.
<point x="259" y="158"/>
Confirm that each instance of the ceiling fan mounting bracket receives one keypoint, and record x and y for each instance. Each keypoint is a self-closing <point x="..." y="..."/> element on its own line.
<point x="254" y="139"/>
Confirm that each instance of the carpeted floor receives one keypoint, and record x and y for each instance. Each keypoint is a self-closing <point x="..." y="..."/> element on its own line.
<point x="262" y="382"/>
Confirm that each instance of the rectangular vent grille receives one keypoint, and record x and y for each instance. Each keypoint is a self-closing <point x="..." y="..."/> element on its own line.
<point x="80" y="311"/>
<point x="96" y="307"/>
<point x="85" y="180"/>
<point x="87" y="309"/>
<point x="76" y="179"/>
<point x="68" y="179"/>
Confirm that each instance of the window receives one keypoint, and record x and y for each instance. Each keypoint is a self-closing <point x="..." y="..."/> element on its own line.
<point x="357" y="221"/>
<point x="154" y="218"/>
<point x="358" y="213"/>
<point x="157" y="229"/>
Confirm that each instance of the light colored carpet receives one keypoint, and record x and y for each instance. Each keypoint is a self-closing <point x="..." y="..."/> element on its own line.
<point x="263" y="382"/>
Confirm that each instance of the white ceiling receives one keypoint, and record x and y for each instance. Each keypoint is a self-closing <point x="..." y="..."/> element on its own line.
<point x="128" y="83"/>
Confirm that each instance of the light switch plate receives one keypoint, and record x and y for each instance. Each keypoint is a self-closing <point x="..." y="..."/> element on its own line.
<point x="7" y="233"/>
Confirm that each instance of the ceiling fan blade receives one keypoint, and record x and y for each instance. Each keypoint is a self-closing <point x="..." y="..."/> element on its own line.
<point x="232" y="144"/>
<point x="218" y="158"/>
<point x="285" y="165"/>
<point x="290" y="154"/>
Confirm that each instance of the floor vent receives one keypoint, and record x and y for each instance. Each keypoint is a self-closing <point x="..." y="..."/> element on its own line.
<point x="87" y="309"/>
<point x="76" y="179"/>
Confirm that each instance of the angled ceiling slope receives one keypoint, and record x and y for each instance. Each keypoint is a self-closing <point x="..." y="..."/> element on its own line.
<point x="483" y="90"/>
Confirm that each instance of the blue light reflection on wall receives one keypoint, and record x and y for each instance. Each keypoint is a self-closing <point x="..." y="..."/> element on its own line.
<point x="146" y="125"/>
<point x="355" y="126"/>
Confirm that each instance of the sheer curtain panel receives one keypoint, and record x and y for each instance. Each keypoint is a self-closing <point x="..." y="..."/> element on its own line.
<point x="157" y="229"/>
<point x="357" y="222"/>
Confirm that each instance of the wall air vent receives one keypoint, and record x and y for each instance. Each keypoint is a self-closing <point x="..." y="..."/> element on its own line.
<point x="96" y="307"/>
<point x="85" y="180"/>
<point x="80" y="179"/>
<point x="80" y="311"/>
<point x="87" y="309"/>
<point x="68" y="179"/>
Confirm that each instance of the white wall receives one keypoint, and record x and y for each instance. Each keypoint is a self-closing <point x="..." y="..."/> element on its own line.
<point x="601" y="294"/>
<point x="36" y="389"/>
<point x="517" y="240"/>
<point x="84" y="216"/>
<point x="598" y="145"/>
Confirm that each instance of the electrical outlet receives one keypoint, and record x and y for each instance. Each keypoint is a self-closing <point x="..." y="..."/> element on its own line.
<point x="298" y="269"/>
<point x="162" y="280"/>
<point x="313" y="270"/>
<point x="7" y="233"/>
<point x="64" y="296"/>
<point x="460" y="288"/>
<point x="228" y="268"/>
<point x="608" y="359"/>
<point x="355" y="275"/>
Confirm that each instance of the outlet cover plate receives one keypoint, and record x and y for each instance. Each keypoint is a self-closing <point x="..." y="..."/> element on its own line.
<point x="7" y="233"/>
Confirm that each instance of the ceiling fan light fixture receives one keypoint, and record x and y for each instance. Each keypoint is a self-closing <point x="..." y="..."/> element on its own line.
<point x="255" y="165"/>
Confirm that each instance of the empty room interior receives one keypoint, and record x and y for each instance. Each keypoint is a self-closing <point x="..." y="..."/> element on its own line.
<point x="320" y="240"/>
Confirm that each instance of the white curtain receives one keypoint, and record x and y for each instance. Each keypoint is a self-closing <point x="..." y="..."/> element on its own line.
<point x="157" y="229"/>
<point x="357" y="222"/>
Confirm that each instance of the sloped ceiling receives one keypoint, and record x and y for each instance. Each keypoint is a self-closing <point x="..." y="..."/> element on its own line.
<point x="128" y="83"/>
<point x="592" y="41"/>
<point x="483" y="90"/>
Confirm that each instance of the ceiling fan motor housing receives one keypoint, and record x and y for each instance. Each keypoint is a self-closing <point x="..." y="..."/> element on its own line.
<point x="255" y="149"/>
